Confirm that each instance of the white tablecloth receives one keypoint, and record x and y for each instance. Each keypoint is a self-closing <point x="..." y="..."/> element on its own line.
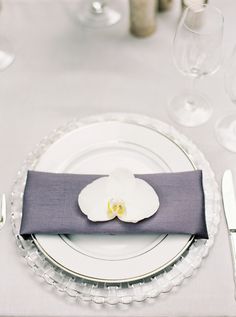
<point x="63" y="70"/>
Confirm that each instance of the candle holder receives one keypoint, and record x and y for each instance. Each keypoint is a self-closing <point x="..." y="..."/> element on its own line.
<point x="164" y="5"/>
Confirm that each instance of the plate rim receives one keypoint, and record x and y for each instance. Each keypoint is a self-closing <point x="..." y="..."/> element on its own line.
<point x="116" y="281"/>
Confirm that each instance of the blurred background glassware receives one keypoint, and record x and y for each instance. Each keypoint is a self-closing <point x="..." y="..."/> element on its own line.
<point x="225" y="127"/>
<point x="197" y="52"/>
<point x="6" y="53"/>
<point x="96" y="13"/>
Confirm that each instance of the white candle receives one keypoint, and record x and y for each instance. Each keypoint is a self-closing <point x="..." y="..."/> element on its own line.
<point x="142" y="17"/>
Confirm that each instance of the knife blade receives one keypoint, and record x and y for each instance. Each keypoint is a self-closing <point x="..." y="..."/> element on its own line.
<point x="229" y="200"/>
<point x="229" y="203"/>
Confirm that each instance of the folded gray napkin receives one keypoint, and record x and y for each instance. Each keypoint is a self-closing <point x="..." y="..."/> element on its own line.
<point x="50" y="206"/>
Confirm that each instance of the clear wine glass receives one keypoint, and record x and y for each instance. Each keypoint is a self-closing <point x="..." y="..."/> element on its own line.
<point x="226" y="127"/>
<point x="197" y="52"/>
<point x="7" y="56"/>
<point x="96" y="13"/>
<point x="6" y="51"/>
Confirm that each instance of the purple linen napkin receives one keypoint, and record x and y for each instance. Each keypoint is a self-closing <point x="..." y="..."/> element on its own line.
<point x="50" y="205"/>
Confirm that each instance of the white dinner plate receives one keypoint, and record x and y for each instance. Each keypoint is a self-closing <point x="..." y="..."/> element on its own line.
<point x="98" y="148"/>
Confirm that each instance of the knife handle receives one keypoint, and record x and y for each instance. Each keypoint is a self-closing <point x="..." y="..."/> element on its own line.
<point x="232" y="236"/>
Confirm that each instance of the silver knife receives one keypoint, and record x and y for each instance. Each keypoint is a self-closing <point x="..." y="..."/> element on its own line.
<point x="229" y="202"/>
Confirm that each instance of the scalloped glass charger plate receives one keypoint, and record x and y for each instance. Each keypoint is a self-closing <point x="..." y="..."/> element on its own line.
<point x="99" y="148"/>
<point x="115" y="268"/>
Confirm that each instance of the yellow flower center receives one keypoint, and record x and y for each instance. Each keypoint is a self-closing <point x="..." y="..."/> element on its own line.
<point x="115" y="208"/>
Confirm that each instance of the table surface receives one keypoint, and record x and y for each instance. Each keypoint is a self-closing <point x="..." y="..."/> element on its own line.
<point x="62" y="71"/>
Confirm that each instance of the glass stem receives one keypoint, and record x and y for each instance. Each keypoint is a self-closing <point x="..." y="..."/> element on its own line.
<point x="97" y="6"/>
<point x="190" y="103"/>
<point x="193" y="85"/>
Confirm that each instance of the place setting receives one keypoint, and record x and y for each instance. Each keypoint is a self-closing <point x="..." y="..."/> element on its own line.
<point x="115" y="208"/>
<point x="121" y="207"/>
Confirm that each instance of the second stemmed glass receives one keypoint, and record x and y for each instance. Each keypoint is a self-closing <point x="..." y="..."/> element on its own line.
<point x="7" y="56"/>
<point x="226" y="127"/>
<point x="197" y="52"/>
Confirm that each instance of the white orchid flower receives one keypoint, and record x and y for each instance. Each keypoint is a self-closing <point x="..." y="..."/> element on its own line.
<point x="120" y="195"/>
